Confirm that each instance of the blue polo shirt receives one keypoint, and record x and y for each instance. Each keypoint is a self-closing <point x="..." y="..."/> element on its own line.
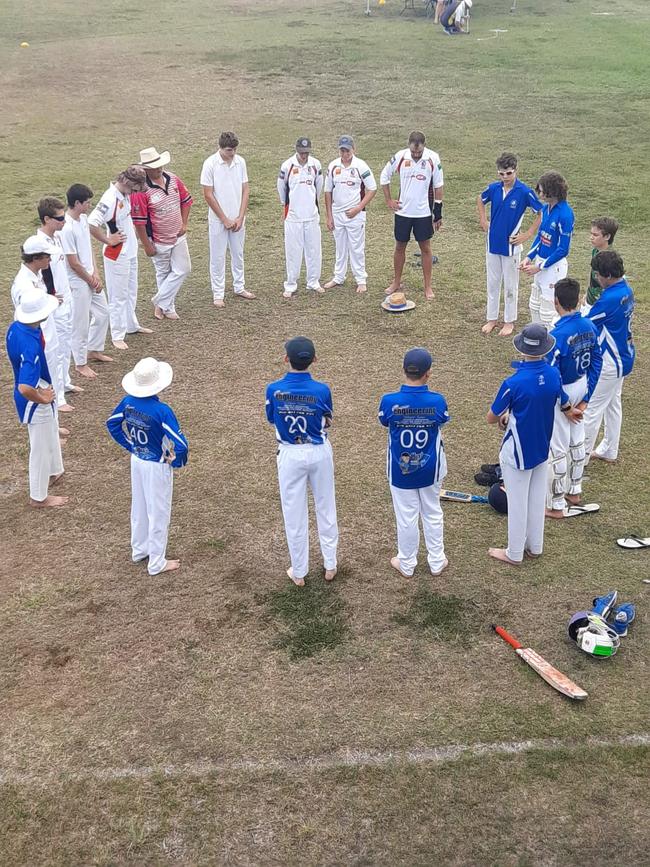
<point x="612" y="316"/>
<point x="554" y="234"/>
<point x="415" y="455"/>
<point x="506" y="213"/>
<point x="299" y="407"/>
<point x="26" y="353"/>
<point x="148" y="428"/>
<point x="529" y="395"/>
<point x="576" y="353"/>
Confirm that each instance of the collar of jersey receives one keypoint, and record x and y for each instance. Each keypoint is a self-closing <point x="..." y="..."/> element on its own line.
<point x="299" y="373"/>
<point x="527" y="365"/>
<point x="414" y="387"/>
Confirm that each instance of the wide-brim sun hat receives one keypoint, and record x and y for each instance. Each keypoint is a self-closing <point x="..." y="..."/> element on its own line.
<point x="147" y="378"/>
<point x="534" y="339"/>
<point x="397" y="303"/>
<point x="35" y="306"/>
<point x="151" y="159"/>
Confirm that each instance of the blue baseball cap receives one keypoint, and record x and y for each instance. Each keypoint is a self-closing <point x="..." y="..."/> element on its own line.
<point x="300" y="350"/>
<point x="347" y="142"/>
<point x="417" y="361"/>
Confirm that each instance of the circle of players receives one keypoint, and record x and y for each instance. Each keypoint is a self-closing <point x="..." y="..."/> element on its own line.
<point x="573" y="359"/>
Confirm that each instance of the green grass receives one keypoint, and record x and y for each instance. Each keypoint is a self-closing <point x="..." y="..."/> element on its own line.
<point x="447" y="618"/>
<point x="312" y="620"/>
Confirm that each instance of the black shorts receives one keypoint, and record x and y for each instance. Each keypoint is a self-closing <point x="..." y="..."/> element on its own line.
<point x="422" y="228"/>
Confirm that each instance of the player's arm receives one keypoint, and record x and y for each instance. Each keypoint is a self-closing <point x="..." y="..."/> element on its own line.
<point x="319" y="179"/>
<point x="499" y="411"/>
<point x="147" y="244"/>
<point x="215" y="207"/>
<point x="384" y="181"/>
<point x="564" y="242"/>
<point x="383" y="414"/>
<point x="282" y="183"/>
<point x="593" y="372"/>
<point x="114" y="427"/>
<point x="181" y="447"/>
<point x="186" y="202"/>
<point x="75" y="265"/>
<point x="482" y="213"/>
<point x="328" y="209"/>
<point x="28" y="377"/>
<point x="98" y="227"/>
<point x="268" y="405"/>
<point x="245" y="196"/>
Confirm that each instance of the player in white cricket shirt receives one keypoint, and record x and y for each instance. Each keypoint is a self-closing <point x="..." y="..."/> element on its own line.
<point x="300" y="184"/>
<point x="418" y="206"/>
<point x="349" y="187"/>
<point x="89" y="303"/>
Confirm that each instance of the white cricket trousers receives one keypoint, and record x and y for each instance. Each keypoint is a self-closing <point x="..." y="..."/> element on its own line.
<point x="52" y="357"/>
<point x="172" y="264"/>
<point x="566" y="458"/>
<point x="502" y="270"/>
<point x="89" y="321"/>
<point x="122" y="288"/>
<point x="412" y="505"/>
<point x="526" y="492"/>
<point x="62" y="318"/>
<point x="605" y="404"/>
<point x="302" y="239"/>
<point x="350" y="244"/>
<point x="542" y="292"/>
<point x="300" y="466"/>
<point x="152" y="485"/>
<point x="45" y="458"/>
<point x="220" y="240"/>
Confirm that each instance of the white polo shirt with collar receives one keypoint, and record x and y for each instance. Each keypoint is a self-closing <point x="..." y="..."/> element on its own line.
<point x="226" y="180"/>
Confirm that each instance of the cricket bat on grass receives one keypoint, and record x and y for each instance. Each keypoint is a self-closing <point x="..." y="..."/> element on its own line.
<point x="460" y="497"/>
<point x="551" y="675"/>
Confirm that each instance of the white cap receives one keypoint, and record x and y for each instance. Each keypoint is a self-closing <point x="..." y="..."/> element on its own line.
<point x="147" y="378"/>
<point x="36" y="244"/>
<point x="35" y="306"/>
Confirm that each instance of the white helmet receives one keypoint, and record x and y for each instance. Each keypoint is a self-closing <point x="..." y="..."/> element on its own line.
<point x="593" y="634"/>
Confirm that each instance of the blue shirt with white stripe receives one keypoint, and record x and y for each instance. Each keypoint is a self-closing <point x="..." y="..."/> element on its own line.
<point x="506" y="213"/>
<point x="554" y="234"/>
<point x="415" y="456"/>
<point x="148" y="428"/>
<point x="612" y="316"/>
<point x="576" y="352"/>
<point x="27" y="356"/>
<point x="529" y="395"/>
<point x="300" y="408"/>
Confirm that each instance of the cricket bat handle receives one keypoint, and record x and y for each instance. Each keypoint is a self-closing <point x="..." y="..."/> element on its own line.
<point x="507" y="637"/>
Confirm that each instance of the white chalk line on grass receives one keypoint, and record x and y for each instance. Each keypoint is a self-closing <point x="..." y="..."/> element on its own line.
<point x="350" y="758"/>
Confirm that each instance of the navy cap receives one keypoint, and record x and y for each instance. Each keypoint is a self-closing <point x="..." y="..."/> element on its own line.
<point x="346" y="141"/>
<point x="417" y="361"/>
<point x="303" y="144"/>
<point x="534" y="339"/>
<point x="300" y="350"/>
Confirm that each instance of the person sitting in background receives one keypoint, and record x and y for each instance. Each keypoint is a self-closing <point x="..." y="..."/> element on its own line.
<point x="454" y="16"/>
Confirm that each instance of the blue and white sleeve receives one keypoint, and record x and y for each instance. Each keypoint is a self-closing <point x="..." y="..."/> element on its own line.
<point x="501" y="402"/>
<point x="562" y="250"/>
<point x="269" y="404"/>
<point x="384" y="412"/>
<point x="593" y="372"/>
<point x="173" y="430"/>
<point x="115" y="425"/>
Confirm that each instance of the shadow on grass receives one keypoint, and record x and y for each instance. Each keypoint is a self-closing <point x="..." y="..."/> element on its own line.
<point x="313" y="618"/>
<point x="449" y="618"/>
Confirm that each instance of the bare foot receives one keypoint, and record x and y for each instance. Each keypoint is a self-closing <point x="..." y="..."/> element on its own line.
<point x="394" y="562"/>
<point x="601" y="458"/>
<point x="330" y="574"/>
<point x="428" y="295"/>
<point x="66" y="407"/>
<point x="288" y="295"/>
<point x="120" y="344"/>
<point x="49" y="501"/>
<point x="332" y="284"/>
<point x="390" y="289"/>
<point x="63" y="431"/>
<point x="99" y="356"/>
<point x="170" y="565"/>
<point x="317" y="289"/>
<point x="500" y="554"/>
<point x="554" y="513"/>
<point x="573" y="499"/>
<point x="299" y="582"/>
<point x="75" y="389"/>
<point x="85" y="370"/>
<point x="489" y="326"/>
<point x="507" y="329"/>
<point x="219" y="302"/>
<point x="530" y="556"/>
<point x="142" y="330"/>
<point x="158" y="314"/>
<point x="441" y="570"/>
<point x="248" y="296"/>
<point x="172" y="315"/>
<point x="362" y="288"/>
<point x="55" y="479"/>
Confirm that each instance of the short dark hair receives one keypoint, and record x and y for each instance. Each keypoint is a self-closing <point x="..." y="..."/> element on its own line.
<point x="228" y="140"/>
<point x="608" y="263"/>
<point x="416" y="137"/>
<point x="608" y="226"/>
<point x="567" y="293"/>
<point x="78" y="193"/>
<point x="554" y="186"/>
<point x="28" y="258"/>
<point x="48" y="206"/>
<point x="507" y="160"/>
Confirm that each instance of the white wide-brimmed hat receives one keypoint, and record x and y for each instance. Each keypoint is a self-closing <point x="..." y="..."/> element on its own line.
<point x="35" y="306"/>
<point x="151" y="159"/>
<point x="36" y="244"/>
<point x="147" y="378"/>
<point x="397" y="303"/>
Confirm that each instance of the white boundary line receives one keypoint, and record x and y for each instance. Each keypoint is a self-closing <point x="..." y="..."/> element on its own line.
<point x="349" y="759"/>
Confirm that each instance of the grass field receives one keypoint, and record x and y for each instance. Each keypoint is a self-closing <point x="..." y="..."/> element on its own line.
<point x="216" y="715"/>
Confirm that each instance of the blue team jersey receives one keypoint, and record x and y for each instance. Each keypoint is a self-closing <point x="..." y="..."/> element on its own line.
<point x="576" y="353"/>
<point x="612" y="316"/>
<point x="26" y="352"/>
<point x="506" y="214"/>
<point x="529" y="395"/>
<point x="148" y="428"/>
<point x="300" y="408"/>
<point x="415" y="455"/>
<point x="554" y="234"/>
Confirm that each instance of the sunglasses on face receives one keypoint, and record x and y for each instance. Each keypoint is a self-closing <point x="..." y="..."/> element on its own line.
<point x="60" y="219"/>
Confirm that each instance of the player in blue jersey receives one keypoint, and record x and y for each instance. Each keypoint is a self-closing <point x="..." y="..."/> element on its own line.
<point x="300" y="408"/>
<point x="509" y="199"/>
<point x="546" y="261"/>
<point x="524" y="408"/>
<point x="416" y="463"/>
<point x="612" y="315"/>
<point x="145" y="426"/>
<point x="34" y="396"/>
<point x="578" y="357"/>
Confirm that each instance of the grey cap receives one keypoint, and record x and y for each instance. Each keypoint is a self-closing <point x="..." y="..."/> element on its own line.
<point x="346" y="141"/>
<point x="534" y="339"/>
<point x="303" y="144"/>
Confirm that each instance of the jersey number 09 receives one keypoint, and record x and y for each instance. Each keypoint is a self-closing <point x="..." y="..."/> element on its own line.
<point x="408" y="439"/>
